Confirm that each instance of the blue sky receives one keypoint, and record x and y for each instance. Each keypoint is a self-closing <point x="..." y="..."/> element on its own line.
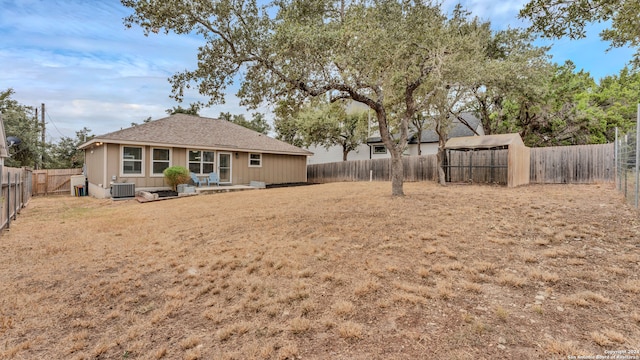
<point x="77" y="57"/>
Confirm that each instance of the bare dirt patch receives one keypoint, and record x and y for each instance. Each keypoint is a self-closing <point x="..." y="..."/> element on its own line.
<point x="336" y="271"/>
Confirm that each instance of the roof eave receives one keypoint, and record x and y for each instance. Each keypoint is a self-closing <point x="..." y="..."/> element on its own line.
<point x="194" y="146"/>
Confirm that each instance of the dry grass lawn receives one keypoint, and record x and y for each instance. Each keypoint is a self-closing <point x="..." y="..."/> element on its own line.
<point x="335" y="271"/>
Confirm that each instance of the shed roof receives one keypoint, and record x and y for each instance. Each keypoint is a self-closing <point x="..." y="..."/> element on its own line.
<point x="182" y="130"/>
<point x="484" y="142"/>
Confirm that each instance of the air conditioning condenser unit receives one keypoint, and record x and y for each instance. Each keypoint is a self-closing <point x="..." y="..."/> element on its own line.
<point x="123" y="190"/>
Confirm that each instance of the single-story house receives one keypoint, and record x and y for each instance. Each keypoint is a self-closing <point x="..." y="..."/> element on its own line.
<point x="375" y="149"/>
<point x="238" y="155"/>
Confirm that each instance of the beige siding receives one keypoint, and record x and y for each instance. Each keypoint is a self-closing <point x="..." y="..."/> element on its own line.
<point x="150" y="180"/>
<point x="519" y="165"/>
<point x="113" y="163"/>
<point x="95" y="165"/>
<point x="275" y="169"/>
<point x="179" y="157"/>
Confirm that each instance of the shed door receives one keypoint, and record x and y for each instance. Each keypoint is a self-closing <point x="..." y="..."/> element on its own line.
<point x="224" y="167"/>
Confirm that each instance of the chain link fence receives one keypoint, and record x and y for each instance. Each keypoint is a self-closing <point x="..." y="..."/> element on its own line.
<point x="627" y="148"/>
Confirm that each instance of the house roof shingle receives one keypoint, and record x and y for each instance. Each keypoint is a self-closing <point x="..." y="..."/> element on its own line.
<point x="457" y="130"/>
<point x="430" y="136"/>
<point x="182" y="130"/>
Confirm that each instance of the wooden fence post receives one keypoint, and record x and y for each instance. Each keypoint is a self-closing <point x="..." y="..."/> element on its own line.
<point x="15" y="198"/>
<point x="1" y="197"/>
<point x="8" y="200"/>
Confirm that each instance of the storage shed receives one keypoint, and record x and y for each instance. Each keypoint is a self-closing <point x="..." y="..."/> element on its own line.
<point x="502" y="159"/>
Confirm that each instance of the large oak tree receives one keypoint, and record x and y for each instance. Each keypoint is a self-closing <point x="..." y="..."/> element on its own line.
<point x="378" y="52"/>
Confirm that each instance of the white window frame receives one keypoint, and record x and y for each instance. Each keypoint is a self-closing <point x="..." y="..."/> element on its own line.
<point x="153" y="161"/>
<point x="122" y="160"/>
<point x="259" y="160"/>
<point x="378" y="152"/>
<point x="202" y="162"/>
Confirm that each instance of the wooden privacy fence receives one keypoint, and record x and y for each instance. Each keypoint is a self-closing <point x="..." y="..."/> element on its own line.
<point x="53" y="181"/>
<point x="580" y="164"/>
<point x="416" y="168"/>
<point x="16" y="192"/>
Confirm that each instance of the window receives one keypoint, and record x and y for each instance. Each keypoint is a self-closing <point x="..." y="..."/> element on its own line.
<point x="160" y="160"/>
<point x="379" y="149"/>
<point x="255" y="160"/>
<point x="201" y="161"/>
<point x="132" y="160"/>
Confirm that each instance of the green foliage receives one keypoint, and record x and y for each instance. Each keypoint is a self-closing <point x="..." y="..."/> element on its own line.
<point x="176" y="175"/>
<point x="380" y="53"/>
<point x="516" y="76"/>
<point x="65" y="153"/>
<point x="20" y="121"/>
<point x="192" y="110"/>
<point x="286" y="123"/>
<point x="330" y="124"/>
<point x="558" y="110"/>
<point x="147" y="120"/>
<point x="258" y="121"/>
<point x="559" y="18"/>
<point x="617" y="96"/>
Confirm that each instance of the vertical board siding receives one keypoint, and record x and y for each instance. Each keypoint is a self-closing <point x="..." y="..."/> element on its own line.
<point x="579" y="164"/>
<point x="275" y="169"/>
<point x="95" y="165"/>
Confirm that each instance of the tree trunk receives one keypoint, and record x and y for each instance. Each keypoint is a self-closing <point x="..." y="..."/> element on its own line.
<point x="397" y="169"/>
<point x="440" y="158"/>
<point x="397" y="174"/>
<point x="344" y="154"/>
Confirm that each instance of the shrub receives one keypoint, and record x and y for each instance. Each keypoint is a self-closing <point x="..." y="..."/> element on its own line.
<point x="176" y="175"/>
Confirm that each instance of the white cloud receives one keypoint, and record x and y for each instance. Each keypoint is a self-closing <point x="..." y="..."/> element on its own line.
<point x="77" y="57"/>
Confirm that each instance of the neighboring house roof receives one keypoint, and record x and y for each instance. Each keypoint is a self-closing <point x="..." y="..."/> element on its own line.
<point x="430" y="136"/>
<point x="182" y="130"/>
<point x="484" y="142"/>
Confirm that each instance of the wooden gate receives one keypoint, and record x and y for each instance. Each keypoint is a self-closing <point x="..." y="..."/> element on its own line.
<point x="53" y="181"/>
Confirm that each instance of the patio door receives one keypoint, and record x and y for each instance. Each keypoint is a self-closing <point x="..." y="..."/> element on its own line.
<point x="224" y="167"/>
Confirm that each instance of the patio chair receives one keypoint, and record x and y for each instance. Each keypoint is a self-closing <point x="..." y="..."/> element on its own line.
<point x="213" y="179"/>
<point x="195" y="179"/>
